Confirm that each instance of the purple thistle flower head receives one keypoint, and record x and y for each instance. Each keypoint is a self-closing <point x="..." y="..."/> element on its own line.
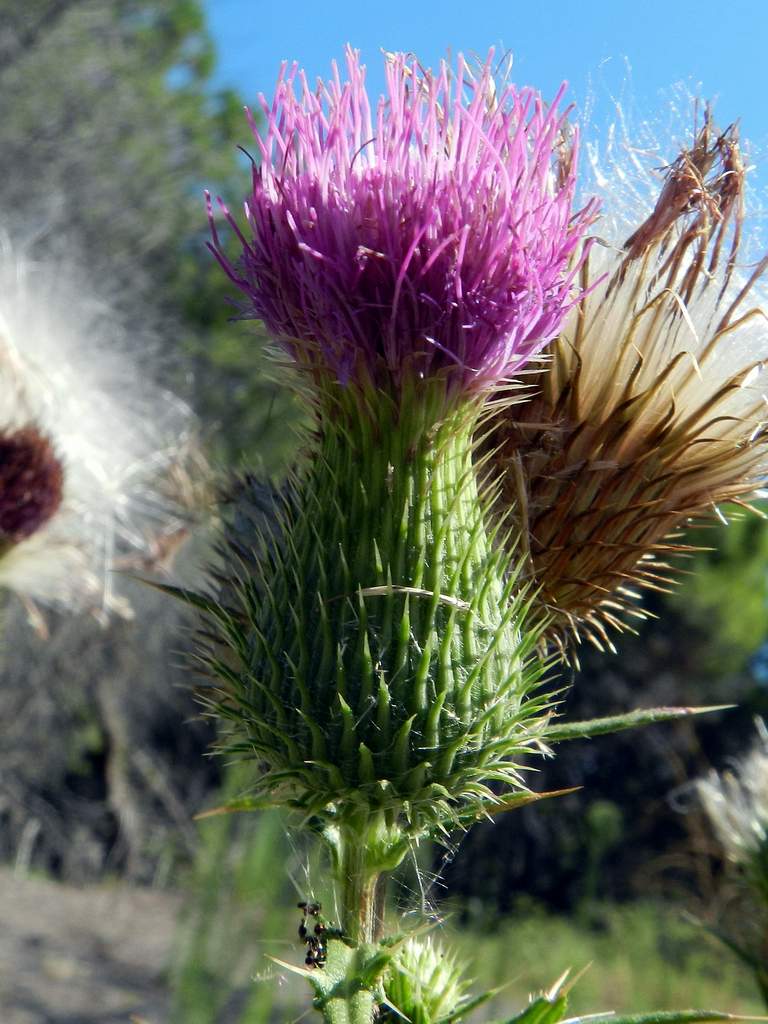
<point x="434" y="237"/>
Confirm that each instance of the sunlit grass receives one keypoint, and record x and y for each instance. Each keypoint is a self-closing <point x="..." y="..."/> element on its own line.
<point x="637" y="957"/>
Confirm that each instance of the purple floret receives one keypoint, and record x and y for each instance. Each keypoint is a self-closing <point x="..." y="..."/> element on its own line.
<point x="437" y="238"/>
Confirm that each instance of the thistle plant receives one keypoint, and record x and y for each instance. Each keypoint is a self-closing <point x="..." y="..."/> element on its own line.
<point x="382" y="667"/>
<point x="377" y="649"/>
<point x="87" y="443"/>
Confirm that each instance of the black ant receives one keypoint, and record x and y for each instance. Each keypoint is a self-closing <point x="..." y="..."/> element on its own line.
<point x="317" y="948"/>
<point x="317" y="939"/>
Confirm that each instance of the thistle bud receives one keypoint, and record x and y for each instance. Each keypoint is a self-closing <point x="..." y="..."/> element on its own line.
<point x="424" y="984"/>
<point x="375" y="654"/>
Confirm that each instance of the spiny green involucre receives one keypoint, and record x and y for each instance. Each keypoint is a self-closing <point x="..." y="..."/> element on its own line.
<point x="375" y="656"/>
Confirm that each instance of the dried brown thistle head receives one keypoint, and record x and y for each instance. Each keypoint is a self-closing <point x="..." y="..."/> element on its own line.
<point x="648" y="413"/>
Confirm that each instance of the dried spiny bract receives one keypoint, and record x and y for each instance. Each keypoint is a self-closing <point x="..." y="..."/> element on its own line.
<point x="87" y="443"/>
<point x="650" y="411"/>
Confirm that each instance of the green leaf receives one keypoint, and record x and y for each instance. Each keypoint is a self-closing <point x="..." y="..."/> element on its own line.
<point x="541" y="1011"/>
<point x="547" y="1011"/>
<point x="244" y="804"/>
<point x="678" y="1017"/>
<point x="616" y="723"/>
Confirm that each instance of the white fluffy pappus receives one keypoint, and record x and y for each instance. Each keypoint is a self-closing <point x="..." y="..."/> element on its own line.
<point x="736" y="802"/>
<point x="68" y="370"/>
<point x="676" y="180"/>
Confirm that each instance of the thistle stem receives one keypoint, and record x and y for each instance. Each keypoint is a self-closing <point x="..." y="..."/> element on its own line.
<point x="362" y="891"/>
<point x="360" y="920"/>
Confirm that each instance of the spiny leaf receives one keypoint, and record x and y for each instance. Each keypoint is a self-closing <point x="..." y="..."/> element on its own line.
<point x="390" y="589"/>
<point x="629" y="720"/>
<point x="303" y="972"/>
<point x="511" y="803"/>
<point x="540" y="1011"/>
<point x="246" y="803"/>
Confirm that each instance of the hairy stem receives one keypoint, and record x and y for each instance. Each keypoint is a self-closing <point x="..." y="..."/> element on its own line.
<point x="363" y="857"/>
<point x="361" y="915"/>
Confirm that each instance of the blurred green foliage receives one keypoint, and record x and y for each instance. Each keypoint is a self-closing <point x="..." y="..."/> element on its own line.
<point x="236" y="913"/>
<point x="110" y="131"/>
<point x="723" y="596"/>
<point x="635" y="958"/>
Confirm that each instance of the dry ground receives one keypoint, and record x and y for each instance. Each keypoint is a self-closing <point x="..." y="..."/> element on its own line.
<point x="95" y="955"/>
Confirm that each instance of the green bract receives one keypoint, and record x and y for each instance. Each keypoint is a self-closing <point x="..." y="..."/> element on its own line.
<point x="375" y="657"/>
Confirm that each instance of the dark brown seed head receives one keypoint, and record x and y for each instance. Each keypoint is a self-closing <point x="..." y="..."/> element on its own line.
<point x="31" y="483"/>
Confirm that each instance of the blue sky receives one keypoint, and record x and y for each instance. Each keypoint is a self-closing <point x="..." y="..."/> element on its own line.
<point x="720" y="45"/>
<point x="603" y="47"/>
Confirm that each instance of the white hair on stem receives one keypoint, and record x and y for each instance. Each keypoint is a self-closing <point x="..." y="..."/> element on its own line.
<point x="69" y="371"/>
